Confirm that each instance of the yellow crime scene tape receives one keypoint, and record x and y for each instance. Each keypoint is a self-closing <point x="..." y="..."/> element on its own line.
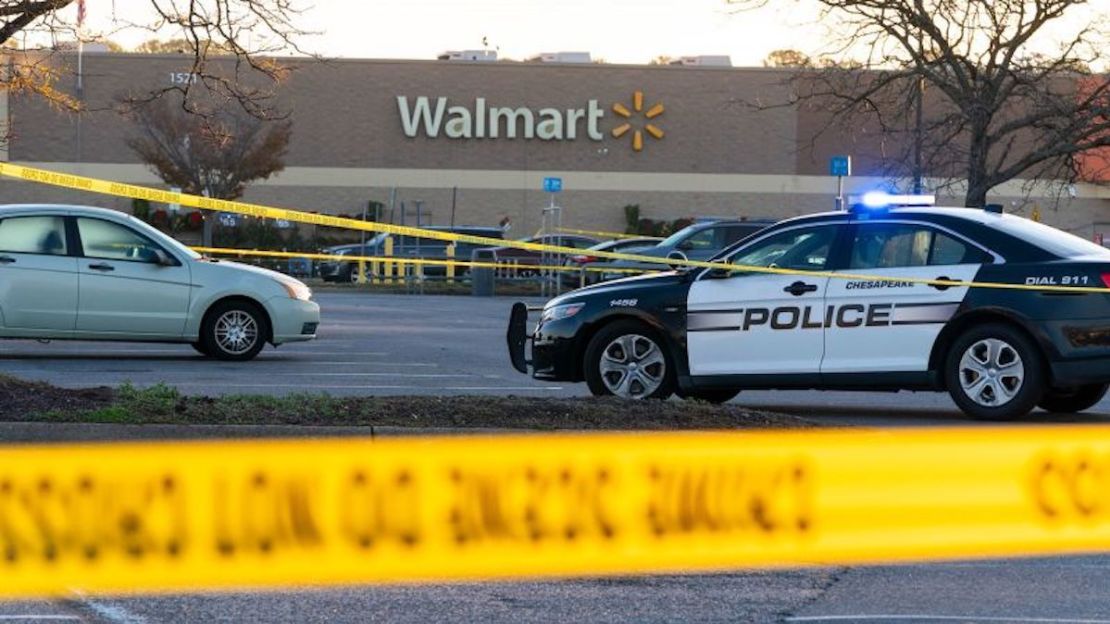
<point x="161" y="517"/>
<point x="117" y="189"/>
<point x="261" y="253"/>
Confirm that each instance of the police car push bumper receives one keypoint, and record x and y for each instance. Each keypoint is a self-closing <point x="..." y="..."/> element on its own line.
<point x="710" y="333"/>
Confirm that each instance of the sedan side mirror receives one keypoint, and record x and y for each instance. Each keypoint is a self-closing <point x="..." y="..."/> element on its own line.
<point x="162" y="258"/>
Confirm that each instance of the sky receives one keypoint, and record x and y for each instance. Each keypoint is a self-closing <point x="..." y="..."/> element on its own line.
<point x="616" y="31"/>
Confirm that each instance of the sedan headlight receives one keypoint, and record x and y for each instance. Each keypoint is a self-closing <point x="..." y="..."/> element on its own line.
<point x="296" y="290"/>
<point x="558" y="312"/>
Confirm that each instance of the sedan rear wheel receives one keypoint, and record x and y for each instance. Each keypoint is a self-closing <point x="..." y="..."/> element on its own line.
<point x="234" y="331"/>
<point x="627" y="359"/>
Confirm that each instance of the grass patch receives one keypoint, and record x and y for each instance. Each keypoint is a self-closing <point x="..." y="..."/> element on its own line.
<point x="162" y="404"/>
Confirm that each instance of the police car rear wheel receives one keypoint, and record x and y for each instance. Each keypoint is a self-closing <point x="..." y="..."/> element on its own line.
<point x="1071" y="400"/>
<point x="994" y="372"/>
<point x="626" y="359"/>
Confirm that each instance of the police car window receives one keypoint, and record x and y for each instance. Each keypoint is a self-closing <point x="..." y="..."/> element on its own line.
<point x="948" y="250"/>
<point x="803" y="248"/>
<point x="890" y="246"/>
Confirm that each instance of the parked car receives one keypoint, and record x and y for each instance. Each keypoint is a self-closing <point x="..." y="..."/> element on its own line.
<point x="920" y="298"/>
<point x="528" y="257"/>
<point x="699" y="241"/>
<point x="80" y="273"/>
<point x="620" y="245"/>
<point x="403" y="247"/>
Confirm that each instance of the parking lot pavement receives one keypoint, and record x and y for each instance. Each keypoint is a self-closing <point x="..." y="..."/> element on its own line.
<point x="371" y="344"/>
<point x="368" y="344"/>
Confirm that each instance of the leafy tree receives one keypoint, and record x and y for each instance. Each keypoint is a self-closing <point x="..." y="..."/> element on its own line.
<point x="963" y="89"/>
<point x="215" y="155"/>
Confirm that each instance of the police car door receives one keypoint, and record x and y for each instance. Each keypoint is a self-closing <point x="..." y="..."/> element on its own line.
<point x="891" y="325"/>
<point x="760" y="323"/>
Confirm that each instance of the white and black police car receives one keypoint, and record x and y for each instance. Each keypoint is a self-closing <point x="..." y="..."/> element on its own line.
<point x="709" y="333"/>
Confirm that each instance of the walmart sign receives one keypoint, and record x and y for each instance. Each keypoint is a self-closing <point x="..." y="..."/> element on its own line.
<point x="432" y="118"/>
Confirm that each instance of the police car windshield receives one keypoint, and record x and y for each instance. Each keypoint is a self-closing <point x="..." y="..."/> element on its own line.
<point x="1052" y="240"/>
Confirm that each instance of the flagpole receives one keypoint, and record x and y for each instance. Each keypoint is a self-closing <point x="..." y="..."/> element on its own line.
<point x="80" y="76"/>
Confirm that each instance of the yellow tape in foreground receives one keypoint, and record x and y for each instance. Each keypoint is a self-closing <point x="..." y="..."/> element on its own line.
<point x="169" y="517"/>
<point x="118" y="189"/>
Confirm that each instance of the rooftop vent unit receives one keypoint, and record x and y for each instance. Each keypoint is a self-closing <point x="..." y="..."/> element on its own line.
<point x="562" y="57"/>
<point x="705" y="60"/>
<point x="468" y="55"/>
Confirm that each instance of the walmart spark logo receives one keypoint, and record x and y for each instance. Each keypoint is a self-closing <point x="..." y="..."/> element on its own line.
<point x="638" y="109"/>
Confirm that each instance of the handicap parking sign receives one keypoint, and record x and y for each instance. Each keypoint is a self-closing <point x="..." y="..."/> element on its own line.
<point x="552" y="185"/>
<point x="840" y="166"/>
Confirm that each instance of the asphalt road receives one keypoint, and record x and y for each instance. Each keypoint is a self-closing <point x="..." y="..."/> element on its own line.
<point x="398" y="344"/>
<point x="420" y="345"/>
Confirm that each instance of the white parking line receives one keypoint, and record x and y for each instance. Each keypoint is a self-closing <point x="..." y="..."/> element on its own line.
<point x="1028" y="564"/>
<point x="162" y="374"/>
<point x="41" y="617"/>
<point x="113" y="613"/>
<point x="934" y="618"/>
<point x="372" y="387"/>
<point x="90" y="353"/>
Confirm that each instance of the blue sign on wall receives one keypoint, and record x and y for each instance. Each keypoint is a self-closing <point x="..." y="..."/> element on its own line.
<point x="552" y="185"/>
<point x="840" y="166"/>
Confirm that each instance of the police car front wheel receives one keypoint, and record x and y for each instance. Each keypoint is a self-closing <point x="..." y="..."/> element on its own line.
<point x="994" y="372"/>
<point x="627" y="359"/>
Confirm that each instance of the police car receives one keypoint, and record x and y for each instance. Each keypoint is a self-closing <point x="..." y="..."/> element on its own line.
<point x="709" y="333"/>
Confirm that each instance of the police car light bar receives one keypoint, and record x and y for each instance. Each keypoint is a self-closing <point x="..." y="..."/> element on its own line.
<point x="879" y="199"/>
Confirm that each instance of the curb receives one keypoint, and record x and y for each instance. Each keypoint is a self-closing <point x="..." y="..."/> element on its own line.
<point x="57" y="433"/>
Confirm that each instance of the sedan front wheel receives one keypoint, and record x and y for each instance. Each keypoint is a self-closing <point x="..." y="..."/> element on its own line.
<point x="234" y="331"/>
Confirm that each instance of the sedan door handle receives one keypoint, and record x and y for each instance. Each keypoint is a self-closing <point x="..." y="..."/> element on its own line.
<point x="944" y="278"/>
<point x="6" y="259"/>
<point x="102" y="266"/>
<point x="800" y="288"/>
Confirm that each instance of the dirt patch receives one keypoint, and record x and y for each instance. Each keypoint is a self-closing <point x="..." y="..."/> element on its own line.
<point x="30" y="401"/>
<point x="20" y="400"/>
<point x="480" y="411"/>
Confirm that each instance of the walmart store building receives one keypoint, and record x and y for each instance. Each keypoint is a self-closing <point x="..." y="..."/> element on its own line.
<point x="677" y="140"/>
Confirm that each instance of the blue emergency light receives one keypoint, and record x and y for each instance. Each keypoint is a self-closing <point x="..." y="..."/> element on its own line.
<point x="878" y="200"/>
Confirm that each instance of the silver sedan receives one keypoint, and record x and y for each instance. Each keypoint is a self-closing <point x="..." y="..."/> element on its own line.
<point x="79" y="273"/>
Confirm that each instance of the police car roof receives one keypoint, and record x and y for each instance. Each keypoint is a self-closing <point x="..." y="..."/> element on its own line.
<point x="976" y="215"/>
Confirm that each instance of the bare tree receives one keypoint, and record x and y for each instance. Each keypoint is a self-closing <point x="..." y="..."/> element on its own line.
<point x="215" y="155"/>
<point x="251" y="31"/>
<point x="961" y="87"/>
